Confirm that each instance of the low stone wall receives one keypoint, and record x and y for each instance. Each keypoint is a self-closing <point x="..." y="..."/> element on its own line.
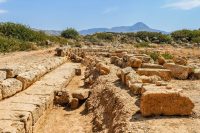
<point x="16" y="79"/>
<point x="23" y="112"/>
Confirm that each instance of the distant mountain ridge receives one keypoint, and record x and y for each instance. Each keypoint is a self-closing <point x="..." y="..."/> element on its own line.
<point x="140" y="26"/>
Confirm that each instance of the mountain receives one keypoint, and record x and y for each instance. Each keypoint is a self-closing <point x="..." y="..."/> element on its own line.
<point x="52" y="32"/>
<point x="134" y="28"/>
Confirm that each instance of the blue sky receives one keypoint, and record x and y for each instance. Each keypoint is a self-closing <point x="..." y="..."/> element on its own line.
<point x="168" y="15"/>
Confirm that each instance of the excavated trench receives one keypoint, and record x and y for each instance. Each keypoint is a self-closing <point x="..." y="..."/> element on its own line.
<point x="110" y="108"/>
<point x="63" y="119"/>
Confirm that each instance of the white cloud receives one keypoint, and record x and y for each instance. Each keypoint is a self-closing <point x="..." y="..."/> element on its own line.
<point x="3" y="11"/>
<point x="184" y="4"/>
<point x="110" y="10"/>
<point x="2" y="1"/>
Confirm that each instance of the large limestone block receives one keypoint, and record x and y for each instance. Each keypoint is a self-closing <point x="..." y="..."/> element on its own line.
<point x="163" y="73"/>
<point x="125" y="72"/>
<point x="81" y="94"/>
<point x="152" y="66"/>
<point x="2" y="75"/>
<point x="144" y="58"/>
<point x="35" y="110"/>
<point x="178" y="71"/>
<point x="13" y="71"/>
<point x="165" y="102"/>
<point x="180" y="61"/>
<point x="132" y="78"/>
<point x="150" y="79"/>
<point x="9" y="126"/>
<point x="28" y="78"/>
<point x="20" y="116"/>
<point x="10" y="87"/>
<point x="161" y="60"/>
<point x="136" y="88"/>
<point x="134" y="62"/>
<point x="103" y="69"/>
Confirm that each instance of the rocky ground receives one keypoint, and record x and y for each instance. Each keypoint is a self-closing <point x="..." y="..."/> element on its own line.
<point x="95" y="101"/>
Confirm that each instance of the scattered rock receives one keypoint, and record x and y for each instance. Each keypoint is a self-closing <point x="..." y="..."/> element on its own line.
<point x="180" y="61"/>
<point x="103" y="69"/>
<point x="74" y="103"/>
<point x="62" y="97"/>
<point x="124" y="73"/>
<point x="82" y="94"/>
<point x="163" y="73"/>
<point x="178" y="71"/>
<point x="165" y="102"/>
<point x="78" y="71"/>
<point x="2" y="75"/>
<point x="161" y="60"/>
<point x="9" y="87"/>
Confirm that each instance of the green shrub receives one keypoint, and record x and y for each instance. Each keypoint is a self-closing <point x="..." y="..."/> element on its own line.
<point x="167" y="56"/>
<point x="70" y="33"/>
<point x="105" y="36"/>
<point x="21" y="32"/>
<point x="154" y="55"/>
<point x="196" y="40"/>
<point x="11" y="44"/>
<point x="142" y="44"/>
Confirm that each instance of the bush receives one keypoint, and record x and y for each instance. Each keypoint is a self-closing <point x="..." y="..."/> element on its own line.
<point x="105" y="36"/>
<point x="167" y="56"/>
<point x="21" y="32"/>
<point x="11" y="44"/>
<point x="154" y="55"/>
<point x="70" y="33"/>
<point x="153" y="37"/>
<point x="142" y="44"/>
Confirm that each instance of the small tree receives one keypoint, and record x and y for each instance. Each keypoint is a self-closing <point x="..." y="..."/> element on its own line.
<point x="70" y="33"/>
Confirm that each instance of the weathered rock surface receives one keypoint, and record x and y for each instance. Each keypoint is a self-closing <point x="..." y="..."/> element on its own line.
<point x="152" y="66"/>
<point x="180" y="61"/>
<point x="134" y="62"/>
<point x="178" y="71"/>
<point x="132" y="78"/>
<point x="62" y="97"/>
<point x="74" y="103"/>
<point x="36" y="100"/>
<point x="165" y="102"/>
<point x="13" y="71"/>
<point x="2" y="75"/>
<point x="161" y="60"/>
<point x="163" y="73"/>
<point x="9" y="87"/>
<point x="197" y="74"/>
<point x="82" y="94"/>
<point x="103" y="69"/>
<point x="124" y="73"/>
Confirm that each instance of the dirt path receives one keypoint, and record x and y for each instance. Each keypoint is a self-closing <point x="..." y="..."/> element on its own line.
<point x="64" y="120"/>
<point x="61" y="120"/>
<point x="25" y="57"/>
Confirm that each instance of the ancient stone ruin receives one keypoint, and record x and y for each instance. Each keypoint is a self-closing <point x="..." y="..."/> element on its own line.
<point x="119" y="87"/>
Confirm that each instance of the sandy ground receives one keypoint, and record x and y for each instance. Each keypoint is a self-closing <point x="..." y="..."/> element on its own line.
<point x="25" y="58"/>
<point x="65" y="120"/>
<point x="62" y="120"/>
